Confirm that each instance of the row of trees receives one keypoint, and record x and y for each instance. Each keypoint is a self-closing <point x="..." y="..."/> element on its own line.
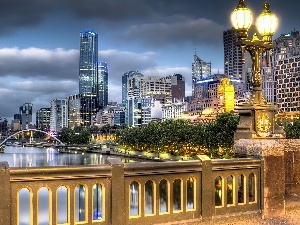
<point x="180" y="137"/>
<point x="78" y="135"/>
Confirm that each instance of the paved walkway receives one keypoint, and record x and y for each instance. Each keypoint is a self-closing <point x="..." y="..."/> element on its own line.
<point x="292" y="217"/>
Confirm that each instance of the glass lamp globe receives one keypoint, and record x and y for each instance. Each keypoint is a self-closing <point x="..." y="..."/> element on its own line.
<point x="241" y="17"/>
<point x="267" y="23"/>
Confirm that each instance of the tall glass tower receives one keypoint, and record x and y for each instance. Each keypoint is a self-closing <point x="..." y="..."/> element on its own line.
<point x="201" y="70"/>
<point x="88" y="61"/>
<point x="26" y="115"/>
<point x="102" y="84"/>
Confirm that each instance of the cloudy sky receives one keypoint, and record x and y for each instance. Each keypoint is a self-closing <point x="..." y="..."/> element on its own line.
<point x="39" y="41"/>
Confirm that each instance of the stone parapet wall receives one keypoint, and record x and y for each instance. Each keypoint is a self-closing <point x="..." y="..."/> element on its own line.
<point x="259" y="147"/>
<point x="292" y="166"/>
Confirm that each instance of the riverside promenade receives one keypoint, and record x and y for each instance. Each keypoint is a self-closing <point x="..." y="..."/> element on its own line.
<point x="292" y="217"/>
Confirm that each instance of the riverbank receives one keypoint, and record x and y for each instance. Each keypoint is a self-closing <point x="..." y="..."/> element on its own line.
<point x="115" y="151"/>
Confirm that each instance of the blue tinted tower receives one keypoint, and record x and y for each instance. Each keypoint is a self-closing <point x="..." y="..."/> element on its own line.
<point x="88" y="61"/>
<point x="102" y="84"/>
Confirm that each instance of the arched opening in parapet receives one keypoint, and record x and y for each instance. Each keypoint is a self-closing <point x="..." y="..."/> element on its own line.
<point x="252" y="187"/>
<point x="177" y="195"/>
<point x="62" y="206"/>
<point x="241" y="189"/>
<point x="190" y="193"/>
<point x="24" y="206"/>
<point x="43" y="206"/>
<point x="218" y="191"/>
<point x="98" y="202"/>
<point x="80" y="203"/>
<point x="149" y="197"/>
<point x="164" y="191"/>
<point x="230" y="190"/>
<point x="134" y="199"/>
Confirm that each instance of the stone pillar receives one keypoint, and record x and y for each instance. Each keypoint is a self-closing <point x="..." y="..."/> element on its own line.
<point x="207" y="188"/>
<point x="271" y="152"/>
<point x="5" y="194"/>
<point x="292" y="166"/>
<point x="117" y="211"/>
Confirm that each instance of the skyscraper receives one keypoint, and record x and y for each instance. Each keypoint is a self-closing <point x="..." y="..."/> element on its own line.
<point x="58" y="114"/>
<point x="102" y="83"/>
<point x="88" y="60"/>
<point x="125" y="77"/>
<point x="43" y="119"/>
<point x="93" y="78"/>
<point x="200" y="70"/>
<point x="234" y="66"/>
<point x="177" y="88"/>
<point x="26" y="115"/>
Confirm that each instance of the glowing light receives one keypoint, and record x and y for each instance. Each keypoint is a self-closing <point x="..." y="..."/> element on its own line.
<point x="241" y="17"/>
<point x="267" y="21"/>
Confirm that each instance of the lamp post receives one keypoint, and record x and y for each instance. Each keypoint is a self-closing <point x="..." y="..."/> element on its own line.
<point x="257" y="117"/>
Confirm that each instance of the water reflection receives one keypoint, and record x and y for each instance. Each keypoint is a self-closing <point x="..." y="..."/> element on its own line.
<point x="40" y="157"/>
<point x="80" y="203"/>
<point x="24" y="207"/>
<point x="62" y="206"/>
<point x="43" y="206"/>
<point x="163" y="200"/>
<point x="190" y="193"/>
<point x="97" y="202"/>
<point x="134" y="198"/>
<point x="149" y="206"/>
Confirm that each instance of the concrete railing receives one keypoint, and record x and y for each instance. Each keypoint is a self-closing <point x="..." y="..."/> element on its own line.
<point x="133" y="193"/>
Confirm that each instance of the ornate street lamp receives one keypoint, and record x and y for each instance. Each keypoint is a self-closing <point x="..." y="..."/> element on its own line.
<point x="257" y="117"/>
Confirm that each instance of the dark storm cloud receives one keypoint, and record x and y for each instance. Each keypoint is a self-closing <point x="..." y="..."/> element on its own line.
<point x="110" y="10"/>
<point x="161" y="34"/>
<point x="39" y="63"/>
<point x="38" y="75"/>
<point x="18" y="14"/>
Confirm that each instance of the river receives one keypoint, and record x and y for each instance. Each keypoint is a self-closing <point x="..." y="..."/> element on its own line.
<point x="44" y="157"/>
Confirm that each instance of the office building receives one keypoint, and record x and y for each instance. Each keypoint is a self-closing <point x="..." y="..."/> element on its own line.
<point x="236" y="64"/>
<point x="268" y="84"/>
<point x="25" y="115"/>
<point x="280" y="79"/>
<point x="287" y="45"/>
<point x="156" y="86"/>
<point x="88" y="61"/>
<point x="74" y="107"/>
<point x="113" y="114"/>
<point x="177" y="88"/>
<point x="43" y="119"/>
<point x="102" y="83"/>
<point x="58" y="114"/>
<point x="288" y="83"/>
<point x="139" y="111"/>
<point x="208" y="94"/>
<point x="200" y="70"/>
<point x="174" y="110"/>
<point x="88" y="109"/>
<point x="125" y="77"/>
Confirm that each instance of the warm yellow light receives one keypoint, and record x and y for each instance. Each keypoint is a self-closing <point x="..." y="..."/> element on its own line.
<point x="267" y="22"/>
<point x="241" y="17"/>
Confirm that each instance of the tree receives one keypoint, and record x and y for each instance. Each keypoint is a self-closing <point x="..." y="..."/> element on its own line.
<point x="292" y="130"/>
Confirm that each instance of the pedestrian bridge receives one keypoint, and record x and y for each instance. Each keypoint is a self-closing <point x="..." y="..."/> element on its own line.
<point x="134" y="193"/>
<point x="30" y="130"/>
<point x="171" y="192"/>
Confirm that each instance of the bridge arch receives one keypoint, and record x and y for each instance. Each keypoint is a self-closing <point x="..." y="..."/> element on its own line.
<point x="21" y="131"/>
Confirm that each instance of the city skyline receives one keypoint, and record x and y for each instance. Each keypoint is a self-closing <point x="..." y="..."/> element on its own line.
<point x="39" y="42"/>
